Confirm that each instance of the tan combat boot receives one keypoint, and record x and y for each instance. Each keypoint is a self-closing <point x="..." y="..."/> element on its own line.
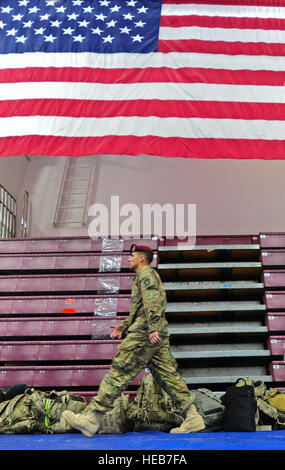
<point x="192" y="423"/>
<point x="87" y="423"/>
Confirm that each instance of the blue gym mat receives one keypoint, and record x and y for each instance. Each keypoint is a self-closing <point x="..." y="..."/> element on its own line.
<point x="147" y="440"/>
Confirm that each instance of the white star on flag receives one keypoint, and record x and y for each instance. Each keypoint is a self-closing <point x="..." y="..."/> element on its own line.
<point x="34" y="9"/>
<point x="139" y="24"/>
<point x="128" y="16"/>
<point x="88" y="9"/>
<point x="11" y="32"/>
<point x="27" y="24"/>
<point x="142" y="10"/>
<point x="44" y="17"/>
<point x="68" y="31"/>
<point x="17" y="17"/>
<point x="21" y="39"/>
<point x="61" y="9"/>
<point x="78" y="38"/>
<point x="83" y="24"/>
<point x="6" y="9"/>
<point x="50" y="38"/>
<point x="108" y="39"/>
<point x="125" y="30"/>
<point x="111" y="24"/>
<point x="73" y="16"/>
<point x="100" y="17"/>
<point x="97" y="31"/>
<point x="39" y="30"/>
<point x="55" y="24"/>
<point x="137" y="38"/>
<point x="115" y="8"/>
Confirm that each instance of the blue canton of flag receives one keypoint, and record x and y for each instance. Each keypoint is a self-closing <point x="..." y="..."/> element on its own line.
<point x="104" y="26"/>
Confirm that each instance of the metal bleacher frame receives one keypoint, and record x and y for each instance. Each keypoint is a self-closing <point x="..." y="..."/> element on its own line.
<point x="59" y="296"/>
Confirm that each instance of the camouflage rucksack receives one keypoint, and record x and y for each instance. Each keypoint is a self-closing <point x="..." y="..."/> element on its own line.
<point x="116" y="421"/>
<point x="153" y="408"/>
<point x="276" y="399"/>
<point x="210" y="407"/>
<point x="38" y="412"/>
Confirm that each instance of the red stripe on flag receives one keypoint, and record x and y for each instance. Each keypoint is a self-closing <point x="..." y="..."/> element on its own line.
<point x="223" y="22"/>
<point x="149" y="145"/>
<point x="221" y="47"/>
<point x="149" y="75"/>
<point x="144" y="108"/>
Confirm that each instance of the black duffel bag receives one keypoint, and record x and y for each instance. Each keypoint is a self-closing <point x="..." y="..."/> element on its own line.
<point x="240" y="407"/>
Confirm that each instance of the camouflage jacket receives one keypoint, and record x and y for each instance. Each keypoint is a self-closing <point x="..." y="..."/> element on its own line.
<point x="148" y="304"/>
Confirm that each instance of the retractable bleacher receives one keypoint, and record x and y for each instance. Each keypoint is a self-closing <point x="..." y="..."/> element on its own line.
<point x="273" y="250"/>
<point x="59" y="297"/>
<point x="217" y="314"/>
<point x="58" y="300"/>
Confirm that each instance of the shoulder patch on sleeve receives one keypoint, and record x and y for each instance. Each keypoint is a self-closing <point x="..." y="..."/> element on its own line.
<point x="146" y="282"/>
<point x="147" y="279"/>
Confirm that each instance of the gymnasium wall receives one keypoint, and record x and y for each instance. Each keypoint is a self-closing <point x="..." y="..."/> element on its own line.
<point x="232" y="196"/>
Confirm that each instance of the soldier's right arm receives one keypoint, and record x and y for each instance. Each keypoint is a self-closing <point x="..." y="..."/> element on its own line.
<point x="125" y="325"/>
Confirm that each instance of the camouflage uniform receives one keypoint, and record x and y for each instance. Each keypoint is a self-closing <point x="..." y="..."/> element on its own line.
<point x="147" y="314"/>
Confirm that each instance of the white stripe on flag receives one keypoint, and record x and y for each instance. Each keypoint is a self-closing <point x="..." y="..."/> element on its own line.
<point x="238" y="11"/>
<point x="223" y="34"/>
<point x="142" y="91"/>
<point x="173" y="60"/>
<point x="142" y="126"/>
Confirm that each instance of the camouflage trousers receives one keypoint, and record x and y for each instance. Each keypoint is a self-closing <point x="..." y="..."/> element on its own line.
<point x="134" y="354"/>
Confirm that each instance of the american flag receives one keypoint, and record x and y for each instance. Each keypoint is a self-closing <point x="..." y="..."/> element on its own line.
<point x="171" y="78"/>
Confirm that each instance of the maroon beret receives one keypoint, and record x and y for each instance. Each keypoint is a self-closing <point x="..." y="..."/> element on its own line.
<point x="141" y="248"/>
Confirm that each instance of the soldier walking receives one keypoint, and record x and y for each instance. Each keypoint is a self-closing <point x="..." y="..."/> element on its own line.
<point x="145" y="344"/>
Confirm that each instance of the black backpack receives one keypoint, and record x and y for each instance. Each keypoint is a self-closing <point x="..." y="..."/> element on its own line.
<point x="240" y="407"/>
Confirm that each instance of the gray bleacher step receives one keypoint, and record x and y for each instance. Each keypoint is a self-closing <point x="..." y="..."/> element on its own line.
<point x="211" y="285"/>
<point x="216" y="350"/>
<point x="215" y="373"/>
<point x="216" y="354"/>
<point x="209" y="247"/>
<point x="175" y="307"/>
<point x="213" y="265"/>
<point x="229" y="379"/>
<point x="216" y="328"/>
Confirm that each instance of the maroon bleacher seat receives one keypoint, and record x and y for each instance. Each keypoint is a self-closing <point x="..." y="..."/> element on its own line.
<point x="57" y="376"/>
<point x="277" y="370"/>
<point x="272" y="257"/>
<point x="109" y="282"/>
<point x="272" y="240"/>
<point x="55" y="321"/>
<point x="55" y="304"/>
<point x="76" y="350"/>
<point x="214" y="240"/>
<point x="65" y="244"/>
<point x="58" y="326"/>
<point x="273" y="278"/>
<point x="103" y="262"/>
<point x="276" y="344"/>
<point x="274" y="300"/>
<point x="275" y="321"/>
